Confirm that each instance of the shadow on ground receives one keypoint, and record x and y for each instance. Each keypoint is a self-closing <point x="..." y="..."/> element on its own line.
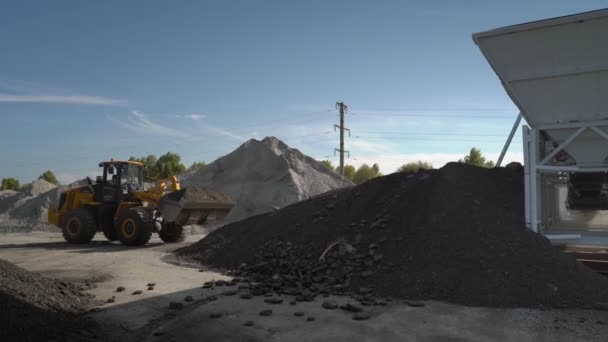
<point x="92" y="247"/>
<point x="214" y="316"/>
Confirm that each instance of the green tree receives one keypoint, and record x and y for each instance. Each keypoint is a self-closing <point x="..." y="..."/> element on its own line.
<point x="328" y="164"/>
<point x="169" y="164"/>
<point x="349" y="172"/>
<point x="150" y="172"/>
<point x="10" y="184"/>
<point x="476" y="158"/>
<point x="49" y="176"/>
<point x="196" y="166"/>
<point x="415" y="166"/>
<point x="365" y="173"/>
<point x="376" y="169"/>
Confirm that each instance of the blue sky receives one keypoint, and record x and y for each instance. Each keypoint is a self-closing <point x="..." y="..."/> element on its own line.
<point x="82" y="81"/>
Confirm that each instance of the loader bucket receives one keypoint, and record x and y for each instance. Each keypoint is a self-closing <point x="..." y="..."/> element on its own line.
<point x="194" y="205"/>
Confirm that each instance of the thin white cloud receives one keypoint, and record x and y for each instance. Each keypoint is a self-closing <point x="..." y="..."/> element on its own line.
<point x="27" y="92"/>
<point x="193" y="116"/>
<point x="141" y="123"/>
<point x="313" y="107"/>
<point x="365" y="146"/>
<point x="67" y="99"/>
<point x="225" y="133"/>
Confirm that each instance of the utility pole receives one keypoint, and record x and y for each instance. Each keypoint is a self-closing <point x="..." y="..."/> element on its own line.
<point x="343" y="108"/>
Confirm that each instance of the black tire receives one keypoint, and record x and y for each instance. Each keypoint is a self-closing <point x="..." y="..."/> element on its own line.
<point x="171" y="233"/>
<point x="78" y="226"/>
<point x="134" y="226"/>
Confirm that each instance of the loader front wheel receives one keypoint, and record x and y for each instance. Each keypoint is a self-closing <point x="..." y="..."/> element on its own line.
<point x="134" y="226"/>
<point x="79" y="226"/>
<point x="171" y="232"/>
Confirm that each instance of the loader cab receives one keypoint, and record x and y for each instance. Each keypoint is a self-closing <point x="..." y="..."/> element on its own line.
<point x="119" y="180"/>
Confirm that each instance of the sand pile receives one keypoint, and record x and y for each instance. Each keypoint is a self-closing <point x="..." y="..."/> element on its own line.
<point x="35" y="308"/>
<point x="454" y="234"/>
<point x="262" y="176"/>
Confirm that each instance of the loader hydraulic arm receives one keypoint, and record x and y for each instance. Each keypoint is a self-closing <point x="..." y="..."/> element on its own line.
<point x="161" y="185"/>
<point x="153" y="194"/>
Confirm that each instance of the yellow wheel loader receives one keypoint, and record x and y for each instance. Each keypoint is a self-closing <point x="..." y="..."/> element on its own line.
<point x="117" y="205"/>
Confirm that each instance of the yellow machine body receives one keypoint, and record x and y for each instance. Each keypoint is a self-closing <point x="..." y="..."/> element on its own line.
<point x="107" y="210"/>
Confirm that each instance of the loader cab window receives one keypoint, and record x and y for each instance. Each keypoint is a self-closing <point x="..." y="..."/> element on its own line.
<point x="132" y="178"/>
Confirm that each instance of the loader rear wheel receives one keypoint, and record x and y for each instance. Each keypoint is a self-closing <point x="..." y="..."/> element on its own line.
<point x="171" y="232"/>
<point x="134" y="226"/>
<point x="79" y="226"/>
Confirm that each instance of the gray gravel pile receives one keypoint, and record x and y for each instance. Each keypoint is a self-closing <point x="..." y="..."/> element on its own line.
<point x="28" y="207"/>
<point x="262" y="176"/>
<point x="27" y="210"/>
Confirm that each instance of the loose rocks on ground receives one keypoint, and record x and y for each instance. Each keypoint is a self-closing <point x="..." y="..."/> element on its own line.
<point x="266" y="312"/>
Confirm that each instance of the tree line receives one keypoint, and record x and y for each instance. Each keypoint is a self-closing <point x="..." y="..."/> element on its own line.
<point x="10" y="183"/>
<point x="365" y="172"/>
<point x="167" y="165"/>
<point x="357" y="176"/>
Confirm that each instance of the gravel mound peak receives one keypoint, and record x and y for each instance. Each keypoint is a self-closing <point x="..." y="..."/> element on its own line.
<point x="265" y="175"/>
<point x="454" y="234"/>
<point x="38" y="187"/>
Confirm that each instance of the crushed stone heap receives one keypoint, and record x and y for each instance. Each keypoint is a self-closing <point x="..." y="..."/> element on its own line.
<point x="27" y="209"/>
<point x="455" y="234"/>
<point x="261" y="176"/>
<point x="35" y="308"/>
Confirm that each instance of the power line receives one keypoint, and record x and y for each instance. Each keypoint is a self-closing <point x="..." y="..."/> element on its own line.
<point x="441" y="109"/>
<point x="171" y="141"/>
<point x="437" y="134"/>
<point x="98" y="157"/>
<point x="423" y="139"/>
<point x="434" y="116"/>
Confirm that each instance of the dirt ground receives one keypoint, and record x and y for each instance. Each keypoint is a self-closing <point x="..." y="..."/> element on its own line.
<point x="148" y="316"/>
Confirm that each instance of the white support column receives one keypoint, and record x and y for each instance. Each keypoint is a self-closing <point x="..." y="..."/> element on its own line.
<point x="525" y="133"/>
<point x="508" y="142"/>
<point x="535" y="212"/>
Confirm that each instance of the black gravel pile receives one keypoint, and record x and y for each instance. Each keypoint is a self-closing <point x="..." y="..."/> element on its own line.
<point x="35" y="308"/>
<point x="455" y="234"/>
